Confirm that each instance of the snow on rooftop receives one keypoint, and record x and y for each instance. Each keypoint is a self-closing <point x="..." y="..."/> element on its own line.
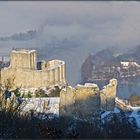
<point x="23" y="51"/>
<point x="91" y="85"/>
<point x="88" y="85"/>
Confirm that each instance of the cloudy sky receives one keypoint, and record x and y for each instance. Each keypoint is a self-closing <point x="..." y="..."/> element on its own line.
<point x="77" y="28"/>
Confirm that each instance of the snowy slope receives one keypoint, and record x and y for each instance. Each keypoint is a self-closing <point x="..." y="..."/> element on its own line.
<point x="48" y="106"/>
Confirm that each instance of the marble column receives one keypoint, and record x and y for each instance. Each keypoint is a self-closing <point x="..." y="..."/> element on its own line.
<point x="56" y="74"/>
<point x="64" y="73"/>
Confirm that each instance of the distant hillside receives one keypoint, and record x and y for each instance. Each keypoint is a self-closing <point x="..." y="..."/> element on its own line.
<point x="100" y="59"/>
<point x="104" y="57"/>
<point x="133" y="54"/>
<point x="20" y="36"/>
<point x="107" y="58"/>
<point x="87" y="67"/>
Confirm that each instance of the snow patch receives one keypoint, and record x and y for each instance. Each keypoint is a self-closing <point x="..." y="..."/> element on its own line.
<point x="135" y="115"/>
<point x="105" y="114"/>
<point x="116" y="110"/>
<point x="48" y="105"/>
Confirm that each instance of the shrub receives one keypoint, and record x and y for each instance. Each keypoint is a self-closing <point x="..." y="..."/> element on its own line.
<point x="40" y="93"/>
<point x="134" y="100"/>
<point x="29" y="94"/>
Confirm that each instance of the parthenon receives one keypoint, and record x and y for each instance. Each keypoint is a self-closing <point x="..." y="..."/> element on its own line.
<point x="26" y="72"/>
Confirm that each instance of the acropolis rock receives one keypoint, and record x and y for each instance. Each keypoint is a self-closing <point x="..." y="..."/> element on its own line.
<point x="23" y="71"/>
<point x="82" y="101"/>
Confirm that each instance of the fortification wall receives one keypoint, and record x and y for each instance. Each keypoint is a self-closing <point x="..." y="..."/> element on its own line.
<point x="108" y="94"/>
<point x="85" y="101"/>
<point x="81" y="102"/>
<point x="23" y="74"/>
<point x="29" y="78"/>
<point x="24" y="59"/>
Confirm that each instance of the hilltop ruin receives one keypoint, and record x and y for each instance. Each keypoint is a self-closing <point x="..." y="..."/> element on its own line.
<point x="83" y="101"/>
<point x="25" y="72"/>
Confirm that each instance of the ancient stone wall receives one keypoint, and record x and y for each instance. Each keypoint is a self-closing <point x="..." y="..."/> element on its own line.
<point x="85" y="101"/>
<point x="22" y="71"/>
<point x="108" y="94"/>
<point x="24" y="59"/>
<point x="81" y="102"/>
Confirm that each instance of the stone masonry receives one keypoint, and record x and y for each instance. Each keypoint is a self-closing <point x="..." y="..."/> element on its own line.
<point x="84" y="101"/>
<point x="23" y="71"/>
<point x="108" y="94"/>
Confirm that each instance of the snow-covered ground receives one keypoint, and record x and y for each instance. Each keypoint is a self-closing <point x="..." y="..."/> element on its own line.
<point x="136" y="115"/>
<point x="47" y="106"/>
<point x="135" y="111"/>
<point x="50" y="107"/>
<point x="106" y="113"/>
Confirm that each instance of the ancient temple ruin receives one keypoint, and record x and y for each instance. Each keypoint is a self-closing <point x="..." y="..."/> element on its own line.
<point x="82" y="101"/>
<point x="85" y="101"/>
<point x="25" y="72"/>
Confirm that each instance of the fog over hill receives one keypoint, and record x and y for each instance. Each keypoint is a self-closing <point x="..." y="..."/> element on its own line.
<point x="69" y="30"/>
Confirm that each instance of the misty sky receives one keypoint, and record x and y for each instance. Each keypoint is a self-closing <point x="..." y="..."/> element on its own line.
<point x="115" y="21"/>
<point x="78" y="28"/>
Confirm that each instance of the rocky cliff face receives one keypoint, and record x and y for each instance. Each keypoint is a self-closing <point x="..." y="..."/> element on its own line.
<point x="105" y="65"/>
<point x="97" y="61"/>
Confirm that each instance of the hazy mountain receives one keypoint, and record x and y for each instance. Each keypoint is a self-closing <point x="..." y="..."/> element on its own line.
<point x="107" y="57"/>
<point x="132" y="54"/>
<point x="20" y="36"/>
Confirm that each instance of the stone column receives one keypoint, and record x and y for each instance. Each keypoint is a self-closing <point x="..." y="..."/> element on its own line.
<point x="48" y="75"/>
<point x="30" y="60"/>
<point x="64" y="73"/>
<point x="19" y="60"/>
<point x="56" y="75"/>
<point x="27" y="64"/>
<point x="51" y="75"/>
<point x="34" y="60"/>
